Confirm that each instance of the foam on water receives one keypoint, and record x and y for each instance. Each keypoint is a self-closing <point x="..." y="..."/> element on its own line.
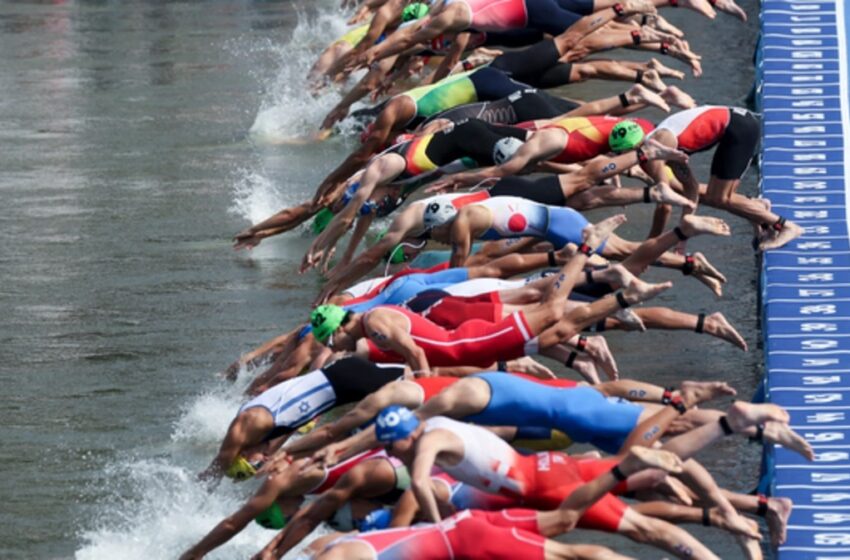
<point x="288" y="111"/>
<point x="156" y="508"/>
<point x="255" y="196"/>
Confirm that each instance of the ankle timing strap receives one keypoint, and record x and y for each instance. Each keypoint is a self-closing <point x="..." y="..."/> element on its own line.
<point x="700" y="323"/>
<point x="646" y="197"/>
<point x="636" y="37"/>
<point x="617" y="473"/>
<point x="680" y="234"/>
<point x="624" y="101"/>
<point x="664" y="48"/>
<point x="571" y="359"/>
<point x="621" y="300"/>
<point x="639" y="76"/>
<point x="689" y="265"/>
<point x="724" y="425"/>
<point x="762" y="509"/>
<point x="706" y="517"/>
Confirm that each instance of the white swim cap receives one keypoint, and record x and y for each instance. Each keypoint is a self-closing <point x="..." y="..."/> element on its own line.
<point x="437" y="213"/>
<point x="505" y="149"/>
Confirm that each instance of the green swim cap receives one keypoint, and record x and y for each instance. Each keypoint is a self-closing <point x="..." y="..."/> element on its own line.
<point x="414" y="11"/>
<point x="625" y="135"/>
<point x="272" y="517"/>
<point x="396" y="254"/>
<point x="321" y="220"/>
<point x="325" y="319"/>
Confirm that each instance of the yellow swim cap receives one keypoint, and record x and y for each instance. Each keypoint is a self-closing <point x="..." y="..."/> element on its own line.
<point x="240" y="469"/>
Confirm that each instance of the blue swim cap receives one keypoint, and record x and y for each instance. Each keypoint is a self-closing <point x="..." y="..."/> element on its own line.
<point x="394" y="423"/>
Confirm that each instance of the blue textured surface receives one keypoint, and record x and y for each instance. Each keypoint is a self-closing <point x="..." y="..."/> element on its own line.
<point x="806" y="285"/>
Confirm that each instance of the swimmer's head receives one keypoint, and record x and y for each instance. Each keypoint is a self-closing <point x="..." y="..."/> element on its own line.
<point x="325" y="319"/>
<point x="414" y="11"/>
<point x="321" y="220"/>
<point x="626" y="135"/>
<point x="394" y="423"/>
<point x="505" y="149"/>
<point x="240" y="469"/>
<point x="438" y="213"/>
<point x="272" y="517"/>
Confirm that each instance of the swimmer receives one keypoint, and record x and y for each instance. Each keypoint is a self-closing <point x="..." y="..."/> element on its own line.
<point x="398" y="335"/>
<point x="736" y="134"/>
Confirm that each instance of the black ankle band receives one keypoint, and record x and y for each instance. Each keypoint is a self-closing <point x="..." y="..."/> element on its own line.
<point x="582" y="343"/>
<point x="588" y="275"/>
<point x="780" y="223"/>
<point x="724" y="425"/>
<point x="636" y="37"/>
<point x="552" y="261"/>
<point x="571" y="359"/>
<point x="624" y="101"/>
<point x="617" y="473"/>
<point x="664" y="48"/>
<point x="639" y="76"/>
<point x="706" y="517"/>
<point x="762" y="509"/>
<point x="700" y="323"/>
<point x="618" y="9"/>
<point x="585" y="249"/>
<point x="621" y="299"/>
<point x="680" y="234"/>
<point x="646" y="197"/>
<point x="677" y="403"/>
<point x="689" y="265"/>
<point x="644" y="18"/>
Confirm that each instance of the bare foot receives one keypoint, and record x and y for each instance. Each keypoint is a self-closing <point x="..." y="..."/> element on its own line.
<point x="639" y="290"/>
<point x="653" y="149"/>
<point x="641" y="94"/>
<point x="696" y="392"/>
<point x="616" y="275"/>
<point x="700" y="6"/>
<point x="750" y="548"/>
<point x="734" y="523"/>
<point x="731" y="8"/>
<point x="641" y="458"/>
<point x="716" y="325"/>
<point x="713" y="284"/>
<point x="781" y="434"/>
<point x="664" y="71"/>
<point x="693" y="225"/>
<point x="595" y="234"/>
<point x="651" y="35"/>
<point x="652" y="80"/>
<point x="597" y="349"/>
<point x="662" y="24"/>
<point x="629" y="320"/>
<point x="675" y="96"/>
<point x="789" y="232"/>
<point x="705" y="268"/>
<point x="662" y="193"/>
<point x="778" y="512"/>
<point x="586" y="367"/>
<point x="742" y="415"/>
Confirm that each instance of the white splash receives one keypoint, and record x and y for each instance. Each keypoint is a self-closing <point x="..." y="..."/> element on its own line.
<point x="288" y="110"/>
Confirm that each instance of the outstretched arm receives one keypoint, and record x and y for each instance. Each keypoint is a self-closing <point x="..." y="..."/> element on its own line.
<point x="368" y="408"/>
<point x="231" y="525"/>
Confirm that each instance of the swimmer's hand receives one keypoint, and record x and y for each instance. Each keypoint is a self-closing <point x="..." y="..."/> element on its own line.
<point x="280" y="461"/>
<point x="246" y="239"/>
<point x="327" y="456"/>
<point x="334" y="116"/>
<point x="531" y="367"/>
